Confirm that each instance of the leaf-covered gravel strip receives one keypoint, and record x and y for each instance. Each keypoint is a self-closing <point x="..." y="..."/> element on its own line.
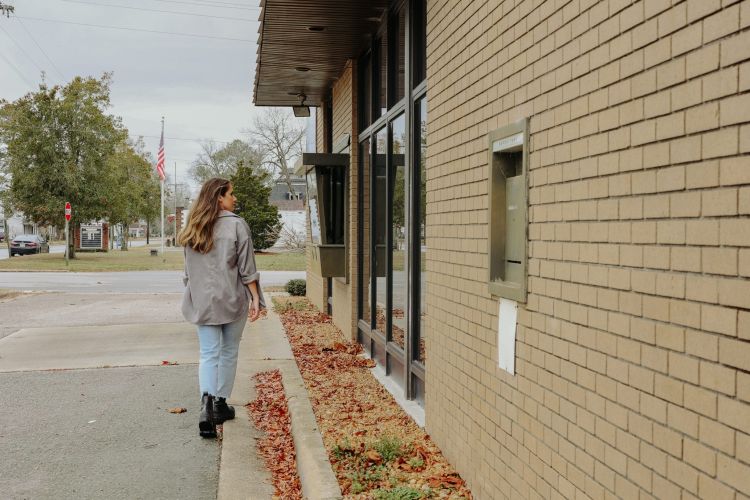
<point x="270" y="413"/>
<point x="376" y="449"/>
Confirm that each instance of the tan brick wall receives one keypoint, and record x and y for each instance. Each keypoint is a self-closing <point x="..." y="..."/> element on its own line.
<point x="344" y="289"/>
<point x="633" y="351"/>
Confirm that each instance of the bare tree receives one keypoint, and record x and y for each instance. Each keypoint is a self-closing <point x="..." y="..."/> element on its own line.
<point x="280" y="139"/>
<point x="222" y="161"/>
<point x="292" y="239"/>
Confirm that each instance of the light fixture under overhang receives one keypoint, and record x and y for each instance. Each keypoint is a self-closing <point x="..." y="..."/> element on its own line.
<point x="301" y="111"/>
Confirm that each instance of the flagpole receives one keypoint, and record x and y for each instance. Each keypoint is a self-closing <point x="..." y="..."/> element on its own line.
<point x="162" y="220"/>
<point x="163" y="256"/>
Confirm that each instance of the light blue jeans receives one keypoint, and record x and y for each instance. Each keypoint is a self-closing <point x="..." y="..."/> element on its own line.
<point x="218" y="362"/>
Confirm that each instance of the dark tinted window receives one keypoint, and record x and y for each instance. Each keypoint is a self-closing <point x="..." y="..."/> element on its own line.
<point x="365" y="91"/>
<point x="419" y="55"/>
<point x="380" y="74"/>
<point x="397" y="57"/>
<point x="332" y="184"/>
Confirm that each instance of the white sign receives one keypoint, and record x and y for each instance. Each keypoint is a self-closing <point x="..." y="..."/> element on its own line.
<point x="506" y="339"/>
<point x="312" y="203"/>
<point x="508" y="142"/>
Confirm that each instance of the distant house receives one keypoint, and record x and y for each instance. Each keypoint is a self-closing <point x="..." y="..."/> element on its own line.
<point x="18" y="224"/>
<point x="137" y="230"/>
<point x="284" y="199"/>
<point x="290" y="205"/>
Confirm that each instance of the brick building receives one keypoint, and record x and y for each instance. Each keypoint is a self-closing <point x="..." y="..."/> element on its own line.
<point x="581" y="166"/>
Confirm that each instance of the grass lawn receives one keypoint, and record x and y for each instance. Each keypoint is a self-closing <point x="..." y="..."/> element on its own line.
<point x="8" y="294"/>
<point x="136" y="259"/>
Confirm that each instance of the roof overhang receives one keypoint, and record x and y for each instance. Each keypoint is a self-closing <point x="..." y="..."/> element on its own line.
<point x="287" y="46"/>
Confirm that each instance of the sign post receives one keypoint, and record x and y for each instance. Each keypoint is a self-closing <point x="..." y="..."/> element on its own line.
<point x="68" y="213"/>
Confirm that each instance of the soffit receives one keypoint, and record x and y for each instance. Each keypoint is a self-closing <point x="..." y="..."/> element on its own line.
<point x="285" y="43"/>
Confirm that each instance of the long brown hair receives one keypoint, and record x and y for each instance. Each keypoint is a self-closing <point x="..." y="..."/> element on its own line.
<point x="198" y="232"/>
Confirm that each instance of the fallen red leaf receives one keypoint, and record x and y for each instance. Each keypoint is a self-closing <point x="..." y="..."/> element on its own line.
<point x="373" y="456"/>
<point x="270" y="414"/>
<point x="354" y="411"/>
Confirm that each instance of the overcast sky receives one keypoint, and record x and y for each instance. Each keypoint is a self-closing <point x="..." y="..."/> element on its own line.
<point x="202" y="85"/>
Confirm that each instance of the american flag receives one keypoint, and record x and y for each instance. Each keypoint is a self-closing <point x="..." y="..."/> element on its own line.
<point x="160" y="157"/>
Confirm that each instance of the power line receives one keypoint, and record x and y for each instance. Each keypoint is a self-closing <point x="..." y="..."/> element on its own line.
<point x="190" y="35"/>
<point x="22" y="49"/>
<point x="18" y="72"/>
<point x="164" y="11"/>
<point x="132" y="134"/>
<point x="183" y="139"/>
<point x="59" y="73"/>
<point x="206" y="3"/>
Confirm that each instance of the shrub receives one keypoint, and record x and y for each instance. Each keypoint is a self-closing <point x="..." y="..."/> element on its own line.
<point x="389" y="447"/>
<point x="296" y="287"/>
<point x="253" y="205"/>
<point x="398" y="493"/>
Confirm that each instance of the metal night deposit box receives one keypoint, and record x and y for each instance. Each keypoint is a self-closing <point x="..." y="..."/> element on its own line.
<point x="508" y="206"/>
<point x="327" y="205"/>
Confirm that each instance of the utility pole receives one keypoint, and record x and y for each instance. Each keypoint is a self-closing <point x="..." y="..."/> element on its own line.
<point x="6" y="9"/>
<point x="161" y="151"/>
<point x="175" y="204"/>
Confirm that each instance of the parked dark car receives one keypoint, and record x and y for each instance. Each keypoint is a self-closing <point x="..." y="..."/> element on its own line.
<point x="2" y="235"/>
<point x="28" y="244"/>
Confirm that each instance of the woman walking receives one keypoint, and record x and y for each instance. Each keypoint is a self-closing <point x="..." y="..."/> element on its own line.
<point x="222" y="292"/>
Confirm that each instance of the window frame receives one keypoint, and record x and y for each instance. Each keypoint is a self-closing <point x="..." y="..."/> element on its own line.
<point x="413" y="370"/>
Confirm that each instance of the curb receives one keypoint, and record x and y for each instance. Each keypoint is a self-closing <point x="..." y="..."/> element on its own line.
<point x="242" y="474"/>
<point x="313" y="467"/>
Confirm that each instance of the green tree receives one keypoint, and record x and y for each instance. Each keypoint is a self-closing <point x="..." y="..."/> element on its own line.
<point x="59" y="141"/>
<point x="252" y="191"/>
<point x="133" y="183"/>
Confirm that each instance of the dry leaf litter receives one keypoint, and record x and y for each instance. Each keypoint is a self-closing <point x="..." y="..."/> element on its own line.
<point x="377" y="451"/>
<point x="270" y="414"/>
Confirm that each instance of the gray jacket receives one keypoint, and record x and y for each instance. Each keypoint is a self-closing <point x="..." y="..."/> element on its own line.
<point x="216" y="289"/>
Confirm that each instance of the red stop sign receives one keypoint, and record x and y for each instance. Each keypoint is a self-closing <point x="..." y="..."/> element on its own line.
<point x="68" y="210"/>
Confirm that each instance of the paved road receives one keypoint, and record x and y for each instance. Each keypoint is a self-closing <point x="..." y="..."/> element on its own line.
<point x="89" y="417"/>
<point x="119" y="282"/>
<point x="89" y="413"/>
<point x="105" y="433"/>
<point x="61" y="248"/>
<point x="38" y="310"/>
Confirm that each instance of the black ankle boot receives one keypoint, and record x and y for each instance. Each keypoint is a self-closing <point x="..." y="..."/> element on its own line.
<point x="222" y="411"/>
<point x="206" y="421"/>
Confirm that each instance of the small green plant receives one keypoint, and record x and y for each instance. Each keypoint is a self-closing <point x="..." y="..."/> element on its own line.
<point x="282" y="306"/>
<point x="389" y="447"/>
<point x="357" y="487"/>
<point x="415" y="463"/>
<point x="296" y="287"/>
<point x="366" y="478"/>
<point x="398" y="493"/>
<point x="340" y="450"/>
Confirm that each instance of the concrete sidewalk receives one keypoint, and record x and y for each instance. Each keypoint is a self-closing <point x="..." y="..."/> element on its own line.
<point x="86" y="414"/>
<point x="265" y="347"/>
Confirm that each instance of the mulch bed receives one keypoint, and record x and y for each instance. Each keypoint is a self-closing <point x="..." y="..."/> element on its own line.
<point x="377" y="451"/>
<point x="270" y="414"/>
